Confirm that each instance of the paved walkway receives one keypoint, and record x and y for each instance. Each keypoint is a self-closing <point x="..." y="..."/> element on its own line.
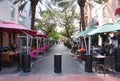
<point x="72" y="70"/>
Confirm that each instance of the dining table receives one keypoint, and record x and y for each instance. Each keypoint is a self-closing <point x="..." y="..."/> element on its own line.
<point x="99" y="56"/>
<point x="98" y="59"/>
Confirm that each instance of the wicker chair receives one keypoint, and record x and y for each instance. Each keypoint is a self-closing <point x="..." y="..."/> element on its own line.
<point x="109" y="64"/>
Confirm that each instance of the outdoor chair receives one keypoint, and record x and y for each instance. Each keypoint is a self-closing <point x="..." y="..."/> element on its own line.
<point x="7" y="61"/>
<point x="97" y="63"/>
<point x="108" y="64"/>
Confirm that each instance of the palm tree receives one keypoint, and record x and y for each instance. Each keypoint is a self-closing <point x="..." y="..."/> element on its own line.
<point x="82" y="5"/>
<point x="33" y="8"/>
<point x="33" y="11"/>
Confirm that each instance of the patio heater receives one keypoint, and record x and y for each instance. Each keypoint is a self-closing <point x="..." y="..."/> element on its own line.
<point x="24" y="57"/>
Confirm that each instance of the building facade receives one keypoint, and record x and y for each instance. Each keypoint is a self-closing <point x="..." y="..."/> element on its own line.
<point x="8" y="11"/>
<point x="100" y="14"/>
<point x="25" y="16"/>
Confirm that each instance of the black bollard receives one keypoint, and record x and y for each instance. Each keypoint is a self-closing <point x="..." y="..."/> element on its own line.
<point x="88" y="63"/>
<point x="26" y="63"/>
<point x="57" y="63"/>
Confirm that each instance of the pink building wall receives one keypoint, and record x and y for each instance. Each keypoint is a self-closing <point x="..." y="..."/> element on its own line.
<point x="111" y="6"/>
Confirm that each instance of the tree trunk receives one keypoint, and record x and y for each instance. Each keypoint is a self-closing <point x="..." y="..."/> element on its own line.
<point x="82" y="5"/>
<point x="67" y="32"/>
<point x="33" y="8"/>
<point x="82" y="18"/>
<point x="33" y="11"/>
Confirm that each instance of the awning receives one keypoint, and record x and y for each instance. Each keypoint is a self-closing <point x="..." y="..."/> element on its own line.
<point x="79" y="34"/>
<point x="88" y="30"/>
<point x="84" y="33"/>
<point x="35" y="33"/>
<point x="17" y="28"/>
<point x="117" y="11"/>
<point x="11" y="25"/>
<point x="109" y="27"/>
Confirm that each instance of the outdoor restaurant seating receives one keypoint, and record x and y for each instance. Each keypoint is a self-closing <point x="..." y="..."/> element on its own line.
<point x="108" y="64"/>
<point x="9" y="58"/>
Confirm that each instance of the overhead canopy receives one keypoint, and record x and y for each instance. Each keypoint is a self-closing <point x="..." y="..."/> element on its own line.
<point x="11" y="25"/>
<point x="17" y="28"/>
<point x="84" y="33"/>
<point x="79" y="34"/>
<point x="109" y="27"/>
<point x="35" y="33"/>
<point x="88" y="30"/>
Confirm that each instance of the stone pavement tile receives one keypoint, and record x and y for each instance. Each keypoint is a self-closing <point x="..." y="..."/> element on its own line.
<point x="38" y="77"/>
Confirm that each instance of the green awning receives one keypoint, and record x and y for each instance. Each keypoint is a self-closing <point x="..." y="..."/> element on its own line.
<point x="88" y="30"/>
<point x="79" y="34"/>
<point x="84" y="33"/>
<point x="109" y="27"/>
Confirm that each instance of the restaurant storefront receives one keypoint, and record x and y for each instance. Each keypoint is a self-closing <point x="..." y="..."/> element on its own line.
<point x="15" y="34"/>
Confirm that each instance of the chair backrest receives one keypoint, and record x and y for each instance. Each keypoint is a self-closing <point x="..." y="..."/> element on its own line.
<point x="5" y="57"/>
<point x="109" y="61"/>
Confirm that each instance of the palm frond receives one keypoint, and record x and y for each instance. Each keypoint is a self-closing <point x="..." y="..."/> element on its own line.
<point x="48" y="5"/>
<point x="55" y="1"/>
<point x="70" y="5"/>
<point x="16" y="1"/>
<point x="63" y="3"/>
<point x="21" y="7"/>
<point x="100" y="1"/>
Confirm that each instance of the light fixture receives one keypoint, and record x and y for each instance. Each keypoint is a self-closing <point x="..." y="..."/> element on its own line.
<point x="105" y="33"/>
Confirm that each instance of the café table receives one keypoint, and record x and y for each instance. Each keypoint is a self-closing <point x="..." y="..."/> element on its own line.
<point x="98" y="59"/>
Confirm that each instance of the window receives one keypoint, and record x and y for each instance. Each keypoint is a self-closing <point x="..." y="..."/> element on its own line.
<point x="104" y="12"/>
<point x="12" y="12"/>
<point x="118" y="2"/>
<point x="22" y="20"/>
<point x="1" y="0"/>
<point x="94" y="21"/>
